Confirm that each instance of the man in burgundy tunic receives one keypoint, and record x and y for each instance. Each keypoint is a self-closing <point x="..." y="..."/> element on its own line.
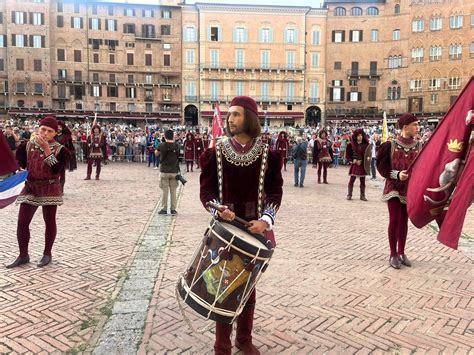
<point x="283" y="147"/>
<point x="393" y="160"/>
<point x="96" y="152"/>
<point x="189" y="148"/>
<point x="243" y="174"/>
<point x="322" y="155"/>
<point x="44" y="158"/>
<point x="355" y="156"/>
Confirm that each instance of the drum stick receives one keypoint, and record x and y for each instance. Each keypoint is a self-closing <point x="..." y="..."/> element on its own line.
<point x="221" y="208"/>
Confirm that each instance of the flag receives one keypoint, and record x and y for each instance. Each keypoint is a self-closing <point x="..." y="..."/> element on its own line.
<point x="11" y="188"/>
<point x="94" y="123"/>
<point x="384" y="128"/>
<point x="217" y="126"/>
<point x="437" y="169"/>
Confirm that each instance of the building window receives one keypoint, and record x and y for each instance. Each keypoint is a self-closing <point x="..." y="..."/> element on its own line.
<point x="111" y="25"/>
<point x="112" y="58"/>
<point x="455" y="51"/>
<point x="355" y="35"/>
<point x="372" y="94"/>
<point x="37" y="41"/>
<point x="77" y="56"/>
<point x="372" y="11"/>
<point x="61" y="91"/>
<point x="62" y="74"/>
<point x="265" y="59"/>
<point x="239" y="58"/>
<point x="265" y="35"/>
<point x="191" y="88"/>
<point x="416" y="85"/>
<point x="37" y="18"/>
<point x="355" y="96"/>
<point x="19" y="40"/>
<point x="214" y="34"/>
<point x="418" y="25"/>
<point x="76" y="22"/>
<point x="95" y="57"/>
<point x="239" y="88"/>
<point x="396" y="35"/>
<point x="436" y="23"/>
<point x="240" y="34"/>
<point x="37" y="65"/>
<point x="290" y="35"/>
<point x="337" y="65"/>
<point x="167" y="60"/>
<point x="165" y="30"/>
<point x="454" y="82"/>
<point x="148" y="60"/>
<point x="435" y="53"/>
<point x="148" y="94"/>
<point x="131" y="107"/>
<point x="214" y="90"/>
<point x="20" y="64"/>
<point x="417" y="55"/>
<point x="433" y="99"/>
<point x="110" y="10"/>
<point x="190" y="34"/>
<point x="316" y="37"/>
<point x="20" y="87"/>
<point x="353" y="82"/>
<point x="95" y="77"/>
<point x="395" y="62"/>
<point x="356" y="11"/>
<point x="77" y="75"/>
<point x="149" y="108"/>
<point x="129" y="12"/>
<point x="315" y="60"/>
<point x="19" y="17"/>
<point x="61" y="55"/>
<point x="290" y="59"/>
<point x="112" y="91"/>
<point x="338" y="36"/>
<point x="394" y="93"/>
<point x="38" y="88"/>
<point x="339" y="11"/>
<point x="94" y="24"/>
<point x="434" y="84"/>
<point x="3" y="41"/>
<point x="129" y="28"/>
<point x="455" y="21"/>
<point x="59" y="7"/>
<point x="214" y="58"/>
<point x="77" y="8"/>
<point x="396" y="9"/>
<point x="60" y="21"/>
<point x="149" y="78"/>
<point x="290" y="91"/>
<point x="94" y="9"/>
<point x="148" y="13"/>
<point x="129" y="58"/>
<point x="190" y="53"/>
<point x="112" y="78"/>
<point x="166" y="14"/>
<point x="471" y="50"/>
<point x="2" y="65"/>
<point x="131" y="93"/>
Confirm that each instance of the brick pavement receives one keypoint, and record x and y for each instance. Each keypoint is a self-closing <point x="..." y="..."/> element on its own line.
<point x="329" y="288"/>
<point x="55" y="309"/>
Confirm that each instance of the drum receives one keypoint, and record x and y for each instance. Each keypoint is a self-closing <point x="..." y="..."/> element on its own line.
<point x="224" y="270"/>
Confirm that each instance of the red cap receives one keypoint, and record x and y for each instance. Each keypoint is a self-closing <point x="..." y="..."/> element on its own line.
<point x="406" y="119"/>
<point x="49" y="121"/>
<point x="246" y="102"/>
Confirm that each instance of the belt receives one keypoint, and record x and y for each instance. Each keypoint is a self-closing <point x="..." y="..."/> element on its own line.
<point x="43" y="182"/>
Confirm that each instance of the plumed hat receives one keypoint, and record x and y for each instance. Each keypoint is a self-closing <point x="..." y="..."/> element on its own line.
<point x="246" y="102"/>
<point x="49" y="121"/>
<point x="406" y="119"/>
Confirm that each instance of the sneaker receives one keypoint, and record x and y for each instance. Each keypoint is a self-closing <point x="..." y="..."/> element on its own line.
<point x="174" y="212"/>
<point x="163" y="212"/>
<point x="155" y="168"/>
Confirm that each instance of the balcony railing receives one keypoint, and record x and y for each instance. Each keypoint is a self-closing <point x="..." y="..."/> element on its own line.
<point x="252" y="66"/>
<point x="147" y="36"/>
<point x="313" y="100"/>
<point x="355" y="111"/>
<point x="362" y="73"/>
<point x="190" y="98"/>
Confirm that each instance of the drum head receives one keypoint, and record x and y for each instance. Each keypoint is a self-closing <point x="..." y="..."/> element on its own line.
<point x="246" y="236"/>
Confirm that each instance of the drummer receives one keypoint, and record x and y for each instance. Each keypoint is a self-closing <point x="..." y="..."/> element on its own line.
<point x="240" y="159"/>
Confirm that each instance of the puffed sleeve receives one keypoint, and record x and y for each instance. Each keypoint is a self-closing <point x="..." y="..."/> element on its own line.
<point x="273" y="186"/>
<point x="21" y="156"/>
<point x="209" y="190"/>
<point x="384" y="164"/>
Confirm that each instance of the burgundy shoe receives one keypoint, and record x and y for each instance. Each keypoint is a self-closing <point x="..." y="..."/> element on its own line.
<point x="395" y="262"/>
<point x="404" y="260"/>
<point x="247" y="348"/>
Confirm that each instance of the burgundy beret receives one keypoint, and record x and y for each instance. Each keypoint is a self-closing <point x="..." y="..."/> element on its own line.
<point x="246" y="102"/>
<point x="49" y="121"/>
<point x="406" y="119"/>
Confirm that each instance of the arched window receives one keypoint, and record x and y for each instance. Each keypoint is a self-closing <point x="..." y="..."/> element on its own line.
<point x="396" y="9"/>
<point x="356" y="11"/>
<point x="372" y="11"/>
<point x="339" y="11"/>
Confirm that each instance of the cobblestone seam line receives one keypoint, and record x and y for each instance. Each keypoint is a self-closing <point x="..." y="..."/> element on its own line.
<point x="466" y="242"/>
<point x="123" y="330"/>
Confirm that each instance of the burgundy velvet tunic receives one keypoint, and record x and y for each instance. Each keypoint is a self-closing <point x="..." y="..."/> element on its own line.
<point x="189" y="150"/>
<point x="392" y="158"/>
<point x="198" y="143"/>
<point x="8" y="164"/>
<point x="43" y="186"/>
<point x="97" y="148"/>
<point x="282" y="146"/>
<point x="356" y="151"/>
<point x="322" y="150"/>
<point x="247" y="179"/>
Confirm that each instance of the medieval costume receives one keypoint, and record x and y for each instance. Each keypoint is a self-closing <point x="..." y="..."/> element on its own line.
<point x="43" y="188"/>
<point x="205" y="141"/>
<point x="246" y="178"/>
<point x="199" y="144"/>
<point x="64" y="137"/>
<point x="322" y="155"/>
<point x="189" y="151"/>
<point x="392" y="158"/>
<point x="8" y="164"/>
<point x="96" y="151"/>
<point x="267" y="138"/>
<point x="355" y="156"/>
<point x="283" y="147"/>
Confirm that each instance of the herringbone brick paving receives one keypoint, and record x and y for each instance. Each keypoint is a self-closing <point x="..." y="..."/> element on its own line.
<point x="55" y="309"/>
<point x="329" y="288"/>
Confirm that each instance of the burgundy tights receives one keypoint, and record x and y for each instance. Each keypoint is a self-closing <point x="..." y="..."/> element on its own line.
<point x="397" y="227"/>
<point x="354" y="178"/>
<point x="324" y="167"/>
<point x="25" y="216"/>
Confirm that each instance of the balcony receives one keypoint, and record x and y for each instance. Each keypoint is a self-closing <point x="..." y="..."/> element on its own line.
<point x="313" y="100"/>
<point x="188" y="98"/>
<point x="260" y="99"/>
<point x="363" y="73"/>
<point x="236" y="66"/>
<point x="147" y="36"/>
<point x="169" y="109"/>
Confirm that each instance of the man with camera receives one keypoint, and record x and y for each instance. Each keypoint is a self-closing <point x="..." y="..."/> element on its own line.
<point x="169" y="172"/>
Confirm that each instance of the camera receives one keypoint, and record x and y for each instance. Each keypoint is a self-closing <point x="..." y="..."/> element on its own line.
<point x="181" y="179"/>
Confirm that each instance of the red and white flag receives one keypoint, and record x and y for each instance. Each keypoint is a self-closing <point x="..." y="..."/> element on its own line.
<point x="440" y="185"/>
<point x="217" y="126"/>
